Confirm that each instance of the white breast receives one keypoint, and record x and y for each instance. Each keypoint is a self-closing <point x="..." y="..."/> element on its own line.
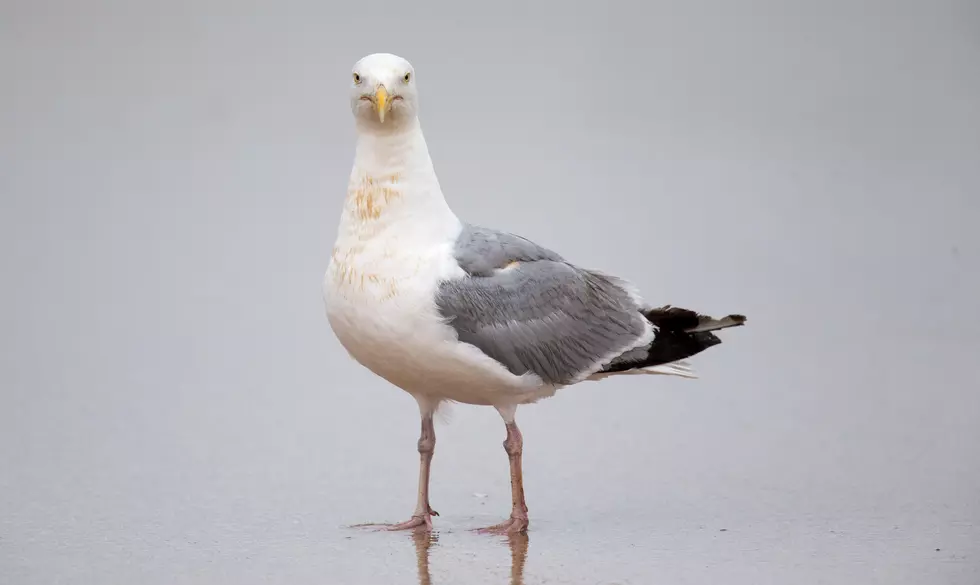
<point x="382" y="270"/>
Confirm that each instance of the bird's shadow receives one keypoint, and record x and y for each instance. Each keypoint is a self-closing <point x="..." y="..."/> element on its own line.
<point x="424" y="541"/>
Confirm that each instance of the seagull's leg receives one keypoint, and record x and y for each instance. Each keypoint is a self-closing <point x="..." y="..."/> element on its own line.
<point x="514" y="446"/>
<point x="422" y="517"/>
<point x="427" y="447"/>
<point x="423" y="511"/>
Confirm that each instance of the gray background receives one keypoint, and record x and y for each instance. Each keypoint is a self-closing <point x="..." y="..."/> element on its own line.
<point x="175" y="408"/>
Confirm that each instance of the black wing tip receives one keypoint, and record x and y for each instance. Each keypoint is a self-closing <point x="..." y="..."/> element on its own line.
<point x="676" y="337"/>
<point x="670" y="318"/>
<point x="667" y="346"/>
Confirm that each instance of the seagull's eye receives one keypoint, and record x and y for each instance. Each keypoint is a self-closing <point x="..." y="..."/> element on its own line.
<point x="408" y="77"/>
<point x="357" y="78"/>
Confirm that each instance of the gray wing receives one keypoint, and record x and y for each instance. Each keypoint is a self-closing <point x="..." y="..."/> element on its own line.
<point x="542" y="315"/>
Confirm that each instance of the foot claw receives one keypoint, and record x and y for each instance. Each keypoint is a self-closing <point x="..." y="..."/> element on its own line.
<point x="416" y="522"/>
<point x="511" y="526"/>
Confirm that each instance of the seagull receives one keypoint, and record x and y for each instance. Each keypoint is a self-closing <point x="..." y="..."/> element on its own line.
<point x="451" y="311"/>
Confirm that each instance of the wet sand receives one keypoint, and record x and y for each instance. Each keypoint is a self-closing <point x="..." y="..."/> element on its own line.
<point x="187" y="495"/>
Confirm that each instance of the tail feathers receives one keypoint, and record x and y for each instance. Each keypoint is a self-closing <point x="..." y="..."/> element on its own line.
<point x="671" y="318"/>
<point x="709" y="324"/>
<point x="680" y="333"/>
<point x="679" y="368"/>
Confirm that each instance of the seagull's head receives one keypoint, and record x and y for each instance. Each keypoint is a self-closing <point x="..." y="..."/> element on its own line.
<point x="383" y="91"/>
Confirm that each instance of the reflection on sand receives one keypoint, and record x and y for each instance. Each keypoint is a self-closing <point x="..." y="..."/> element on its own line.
<point x="518" y="544"/>
<point x="423" y="542"/>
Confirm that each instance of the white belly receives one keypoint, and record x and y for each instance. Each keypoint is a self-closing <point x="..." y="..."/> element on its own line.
<point x="380" y="304"/>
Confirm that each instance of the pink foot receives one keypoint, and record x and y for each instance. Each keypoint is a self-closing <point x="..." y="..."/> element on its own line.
<point x="514" y="525"/>
<point x="423" y="521"/>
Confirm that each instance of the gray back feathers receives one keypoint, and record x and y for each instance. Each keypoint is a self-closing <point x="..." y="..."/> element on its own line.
<point x="481" y="251"/>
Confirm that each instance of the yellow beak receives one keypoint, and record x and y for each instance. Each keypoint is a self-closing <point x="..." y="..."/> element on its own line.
<point x="381" y="102"/>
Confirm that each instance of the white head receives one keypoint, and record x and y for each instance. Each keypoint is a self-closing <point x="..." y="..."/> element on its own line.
<point x="383" y="95"/>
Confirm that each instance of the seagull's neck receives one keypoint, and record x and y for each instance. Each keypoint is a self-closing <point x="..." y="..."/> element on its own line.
<point x="393" y="185"/>
<point x="401" y="149"/>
